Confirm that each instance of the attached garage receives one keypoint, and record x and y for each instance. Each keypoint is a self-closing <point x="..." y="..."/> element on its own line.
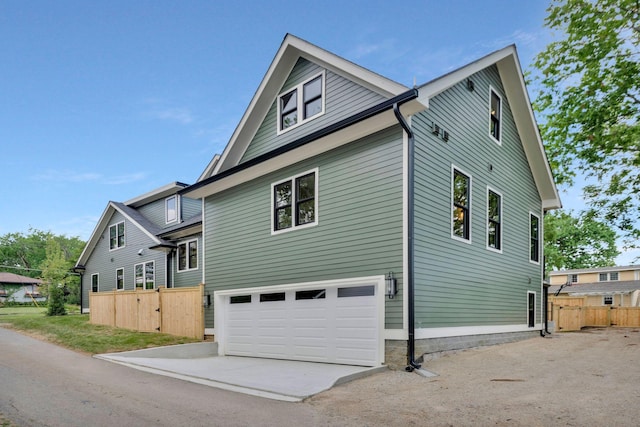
<point x="332" y="322"/>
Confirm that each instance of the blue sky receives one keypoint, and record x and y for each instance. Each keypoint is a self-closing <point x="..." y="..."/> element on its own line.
<point x="107" y="100"/>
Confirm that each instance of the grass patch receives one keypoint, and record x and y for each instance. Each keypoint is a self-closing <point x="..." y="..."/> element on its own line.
<point x="76" y="333"/>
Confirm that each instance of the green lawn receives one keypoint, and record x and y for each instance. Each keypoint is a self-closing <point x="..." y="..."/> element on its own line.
<point x="75" y="332"/>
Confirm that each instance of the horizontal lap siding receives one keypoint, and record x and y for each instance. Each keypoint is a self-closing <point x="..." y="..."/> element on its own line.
<point x="343" y="98"/>
<point x="359" y="231"/>
<point x="460" y="284"/>
<point x="106" y="262"/>
<point x="190" y="277"/>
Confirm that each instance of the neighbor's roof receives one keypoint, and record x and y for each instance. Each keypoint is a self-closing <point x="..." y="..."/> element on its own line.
<point x="599" y="288"/>
<point x="594" y="270"/>
<point x="18" y="279"/>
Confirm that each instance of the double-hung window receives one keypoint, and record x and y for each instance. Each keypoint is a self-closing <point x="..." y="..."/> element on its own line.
<point x="120" y="279"/>
<point x="495" y="115"/>
<point x="144" y="275"/>
<point x="295" y="202"/>
<point x="301" y="103"/>
<point x="460" y="205"/>
<point x="95" y="280"/>
<point x="116" y="236"/>
<point x="534" y="238"/>
<point x="494" y="220"/>
<point x="188" y="255"/>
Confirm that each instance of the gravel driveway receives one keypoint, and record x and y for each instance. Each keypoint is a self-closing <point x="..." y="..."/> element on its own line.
<point x="587" y="378"/>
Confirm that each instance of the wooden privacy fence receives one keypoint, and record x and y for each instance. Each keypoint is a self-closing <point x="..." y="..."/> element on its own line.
<point x="176" y="311"/>
<point x="574" y="318"/>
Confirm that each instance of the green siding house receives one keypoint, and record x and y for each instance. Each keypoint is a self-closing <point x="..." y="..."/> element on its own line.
<point x="351" y="219"/>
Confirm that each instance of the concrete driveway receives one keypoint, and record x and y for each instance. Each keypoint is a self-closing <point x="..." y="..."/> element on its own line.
<point x="285" y="380"/>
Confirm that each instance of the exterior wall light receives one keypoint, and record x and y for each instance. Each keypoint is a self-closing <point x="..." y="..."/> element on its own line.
<point x="391" y="285"/>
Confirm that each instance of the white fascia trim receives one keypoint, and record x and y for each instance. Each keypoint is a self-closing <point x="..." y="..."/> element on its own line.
<point x="156" y="194"/>
<point x="220" y="297"/>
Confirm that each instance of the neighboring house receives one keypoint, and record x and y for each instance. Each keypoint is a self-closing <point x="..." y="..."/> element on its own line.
<point x="354" y="220"/>
<point x="16" y="288"/>
<point x="150" y="241"/>
<point x="615" y="286"/>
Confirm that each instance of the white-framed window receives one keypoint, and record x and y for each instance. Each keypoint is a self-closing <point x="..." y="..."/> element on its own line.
<point x="534" y="238"/>
<point x="573" y="278"/>
<point x="116" y="236"/>
<point x="607" y="300"/>
<point x="120" y="279"/>
<point x="531" y="309"/>
<point x="171" y="209"/>
<point x="144" y="275"/>
<point x="294" y="202"/>
<point x="188" y="255"/>
<point x="301" y="103"/>
<point x="95" y="282"/>
<point x="494" y="220"/>
<point x="460" y="205"/>
<point x="605" y="277"/>
<point x="495" y="115"/>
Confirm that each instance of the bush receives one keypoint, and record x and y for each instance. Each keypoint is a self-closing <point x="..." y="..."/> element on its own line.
<point x="56" y="301"/>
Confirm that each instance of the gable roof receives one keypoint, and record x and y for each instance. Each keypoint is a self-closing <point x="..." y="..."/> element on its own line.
<point x="598" y="288"/>
<point x="16" y="279"/>
<point x="594" y="270"/>
<point x="291" y="49"/>
<point x="133" y="216"/>
<point x="508" y="64"/>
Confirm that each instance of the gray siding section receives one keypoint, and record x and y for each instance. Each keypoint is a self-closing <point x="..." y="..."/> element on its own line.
<point x="106" y="262"/>
<point x="343" y="98"/>
<point x="460" y="284"/>
<point x="155" y="212"/>
<point x="359" y="232"/>
<point x="190" y="207"/>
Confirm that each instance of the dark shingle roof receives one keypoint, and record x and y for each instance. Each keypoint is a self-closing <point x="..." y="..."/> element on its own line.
<point x="610" y="287"/>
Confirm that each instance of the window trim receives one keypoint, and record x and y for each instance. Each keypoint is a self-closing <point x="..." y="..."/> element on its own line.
<point x="120" y="269"/>
<point x="538" y="252"/>
<point x="608" y="277"/>
<point x="166" y="209"/>
<point x="300" y="102"/>
<point x="604" y="299"/>
<point x="468" y="240"/>
<point x="186" y="244"/>
<point x="500" y="221"/>
<point x="97" y="276"/>
<point x="293" y="179"/>
<point x="493" y="91"/>
<point x="572" y="276"/>
<point x="144" y="275"/>
<point x="124" y="235"/>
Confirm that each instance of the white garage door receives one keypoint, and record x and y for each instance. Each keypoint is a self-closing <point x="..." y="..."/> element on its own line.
<point x="331" y="324"/>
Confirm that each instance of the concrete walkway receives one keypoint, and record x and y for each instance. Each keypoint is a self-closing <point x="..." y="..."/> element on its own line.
<point x="286" y="380"/>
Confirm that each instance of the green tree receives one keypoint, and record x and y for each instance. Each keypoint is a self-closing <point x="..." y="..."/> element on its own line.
<point x="577" y="242"/>
<point x="54" y="274"/>
<point x="588" y="103"/>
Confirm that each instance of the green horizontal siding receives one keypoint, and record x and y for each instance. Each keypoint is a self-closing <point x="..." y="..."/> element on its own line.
<point x="359" y="231"/>
<point x="460" y="284"/>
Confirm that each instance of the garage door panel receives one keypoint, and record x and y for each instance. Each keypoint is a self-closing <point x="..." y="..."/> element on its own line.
<point x="333" y="324"/>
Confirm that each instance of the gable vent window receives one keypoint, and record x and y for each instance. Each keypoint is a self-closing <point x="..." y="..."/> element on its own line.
<point x="301" y="104"/>
<point x="295" y="202"/>
<point x="495" y="116"/>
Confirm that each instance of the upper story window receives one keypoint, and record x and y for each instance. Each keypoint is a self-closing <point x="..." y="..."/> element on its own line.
<point x="301" y="104"/>
<point x="460" y="205"/>
<point x="188" y="255"/>
<point x="171" y="209"/>
<point x="495" y="109"/>
<point x="534" y="238"/>
<point x="494" y="220"/>
<point x="604" y="277"/>
<point x="573" y="278"/>
<point x="94" y="282"/>
<point x="295" y="202"/>
<point x="116" y="236"/>
<point x="120" y="279"/>
<point x="144" y="274"/>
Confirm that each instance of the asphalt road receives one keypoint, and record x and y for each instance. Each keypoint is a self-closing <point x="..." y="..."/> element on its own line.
<point x="45" y="385"/>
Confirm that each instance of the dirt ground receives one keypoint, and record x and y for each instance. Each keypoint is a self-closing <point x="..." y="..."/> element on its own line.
<point x="587" y="378"/>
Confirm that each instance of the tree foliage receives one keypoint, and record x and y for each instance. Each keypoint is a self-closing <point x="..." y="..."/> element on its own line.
<point x="577" y="242"/>
<point x="54" y="274"/>
<point x="588" y="103"/>
<point x="25" y="254"/>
